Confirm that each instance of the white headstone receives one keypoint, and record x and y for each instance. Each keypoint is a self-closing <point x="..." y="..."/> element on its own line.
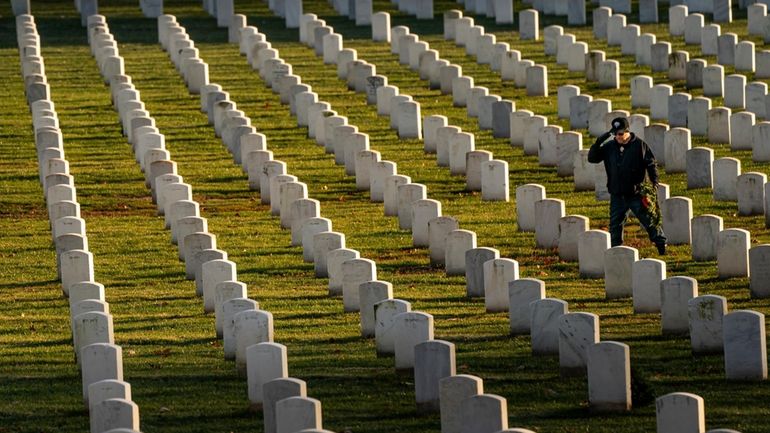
<point x="384" y="330"/>
<point x="498" y="273"/>
<point x="114" y="414"/>
<point x="759" y="265"/>
<point x="381" y="27"/>
<point x="529" y="25"/>
<point x="592" y="245"/>
<point x="537" y="80"/>
<point x="675" y="293"/>
<point x="720" y="126"/>
<point x="297" y="413"/>
<point x="570" y="229"/>
<point x="699" y="161"/>
<point x="369" y="294"/>
<point x="705" y="233"/>
<point x="609" y="377"/>
<point x="521" y="294"/>
<point x="100" y="361"/>
<point x="577" y="332"/>
<point x="483" y="413"/>
<point x="733" y="253"/>
<point x="434" y="360"/>
<point x="618" y="271"/>
<point x="410" y="329"/>
<point x="229" y="309"/>
<point x="250" y="327"/>
<point x="545" y="320"/>
<point x="526" y="197"/>
<point x="676" y="216"/>
<point x="745" y="345"/>
<point x="751" y="194"/>
<point x="494" y="181"/>
<point x="735" y="91"/>
<point x="273" y="392"/>
<point x="475" y="259"/>
<point x="264" y="362"/>
<point x="391" y="195"/>
<point x="548" y="212"/>
<point x="453" y="390"/>
<point x="354" y="273"/>
<point x="680" y="412"/>
<point x="706" y="313"/>
<point x="646" y="277"/>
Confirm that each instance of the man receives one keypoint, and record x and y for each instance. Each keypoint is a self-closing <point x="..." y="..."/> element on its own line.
<point x="626" y="160"/>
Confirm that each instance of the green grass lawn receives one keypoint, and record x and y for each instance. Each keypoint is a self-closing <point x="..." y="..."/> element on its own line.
<point x="171" y="355"/>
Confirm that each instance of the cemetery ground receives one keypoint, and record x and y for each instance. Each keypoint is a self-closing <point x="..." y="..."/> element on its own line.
<point x="171" y="356"/>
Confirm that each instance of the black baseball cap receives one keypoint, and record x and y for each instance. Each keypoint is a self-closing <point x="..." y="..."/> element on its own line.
<point x="619" y="124"/>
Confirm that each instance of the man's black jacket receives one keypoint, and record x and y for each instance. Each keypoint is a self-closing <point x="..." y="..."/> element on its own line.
<point x="626" y="169"/>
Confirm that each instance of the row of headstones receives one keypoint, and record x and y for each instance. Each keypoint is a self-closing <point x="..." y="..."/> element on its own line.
<point x="594" y="65"/>
<point x="648" y="51"/>
<point x="672" y="221"/>
<point x="594" y="114"/>
<point x="683" y="311"/>
<point x="640" y="279"/>
<point x="725" y="248"/>
<point x="658" y="55"/>
<point x="501" y="10"/>
<point x="365" y="307"/>
<point x="290" y="10"/>
<point x="728" y="48"/>
<point x="360" y="11"/>
<point x="676" y="108"/>
<point x="408" y="347"/>
<point x="648" y="9"/>
<point x="680" y="155"/>
<point x="500" y="268"/>
<point x="371" y="293"/>
<point x="239" y="321"/>
<point x="662" y="101"/>
<point x="173" y="197"/>
<point x="672" y="147"/>
<point x="489" y="262"/>
<point x="575" y="10"/>
<point x="549" y="142"/>
<point x="149" y="8"/>
<point x="698" y="165"/>
<point x="492" y="112"/>
<point x="696" y="72"/>
<point x="319" y="129"/>
<point x="107" y="396"/>
<point x="682" y="111"/>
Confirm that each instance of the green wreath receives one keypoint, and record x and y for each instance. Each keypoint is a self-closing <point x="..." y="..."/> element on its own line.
<point x="650" y="202"/>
